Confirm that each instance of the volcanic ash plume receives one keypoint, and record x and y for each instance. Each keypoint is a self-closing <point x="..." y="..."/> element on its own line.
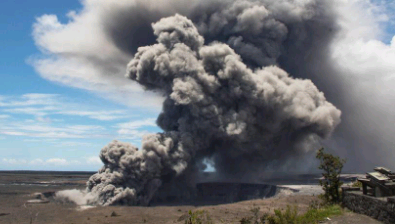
<point x="216" y="108"/>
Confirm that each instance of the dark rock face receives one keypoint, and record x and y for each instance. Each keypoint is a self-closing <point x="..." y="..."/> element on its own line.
<point x="382" y="209"/>
<point x="214" y="193"/>
<point x="233" y="192"/>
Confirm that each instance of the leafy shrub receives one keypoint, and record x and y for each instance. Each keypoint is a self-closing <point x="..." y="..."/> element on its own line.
<point x="289" y="216"/>
<point x="198" y="217"/>
<point x="331" y="166"/>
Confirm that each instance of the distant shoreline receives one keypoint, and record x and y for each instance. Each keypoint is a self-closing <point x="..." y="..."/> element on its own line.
<point x="47" y="172"/>
<point x="281" y="174"/>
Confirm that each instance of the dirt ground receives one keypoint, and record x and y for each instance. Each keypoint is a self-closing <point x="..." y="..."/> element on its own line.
<point x="17" y="189"/>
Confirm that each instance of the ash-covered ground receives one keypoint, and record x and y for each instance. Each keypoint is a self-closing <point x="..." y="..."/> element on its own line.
<point x="20" y="203"/>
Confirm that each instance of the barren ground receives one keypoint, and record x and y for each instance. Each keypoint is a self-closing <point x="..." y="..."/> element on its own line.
<point x="17" y="188"/>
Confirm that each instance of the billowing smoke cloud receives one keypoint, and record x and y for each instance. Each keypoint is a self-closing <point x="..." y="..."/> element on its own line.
<point x="215" y="107"/>
<point x="211" y="75"/>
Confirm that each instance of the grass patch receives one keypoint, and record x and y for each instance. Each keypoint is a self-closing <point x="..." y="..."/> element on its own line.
<point x="315" y="214"/>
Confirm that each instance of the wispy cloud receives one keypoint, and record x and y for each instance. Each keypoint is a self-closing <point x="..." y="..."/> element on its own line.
<point x="4" y="116"/>
<point x="53" y="122"/>
<point x="41" y="140"/>
<point x="133" y="129"/>
<point x="46" y="111"/>
<point x="15" y="133"/>
<point x="45" y="130"/>
<point x="132" y="134"/>
<point x="44" y="126"/>
<point x="14" y="161"/>
<point x="137" y="124"/>
<point x="94" y="160"/>
<point x="56" y="142"/>
<point x="48" y="123"/>
<point x="75" y="144"/>
<point x="37" y="162"/>
<point x="70" y="56"/>
<point x="60" y="162"/>
<point x="41" y="105"/>
<point x="36" y="111"/>
<point x="30" y="99"/>
<point x="47" y="162"/>
<point x="98" y="115"/>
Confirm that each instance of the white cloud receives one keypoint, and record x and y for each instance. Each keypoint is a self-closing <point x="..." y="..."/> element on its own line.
<point x="368" y="59"/>
<point x="44" y="105"/>
<point x="74" y="144"/>
<point x="132" y="130"/>
<point x="36" y="162"/>
<point x="30" y="99"/>
<point x="4" y="116"/>
<point x="47" y="119"/>
<point x="138" y="124"/>
<point x="62" y="143"/>
<point x="361" y="52"/>
<point x="15" y="133"/>
<point x="94" y="160"/>
<point x="55" y="135"/>
<point x="36" y="111"/>
<point x="14" y="161"/>
<point x="44" y="130"/>
<point x="47" y="162"/>
<point x="42" y="135"/>
<point x="98" y="115"/>
<point x="84" y="128"/>
<point x="72" y="55"/>
<point x="132" y="134"/>
<point x="56" y="161"/>
<point x="60" y="162"/>
<point x="54" y="140"/>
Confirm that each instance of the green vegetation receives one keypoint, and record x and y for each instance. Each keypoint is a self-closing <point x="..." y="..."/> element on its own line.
<point x="291" y="216"/>
<point x="331" y="166"/>
<point x="198" y="217"/>
<point x="315" y="215"/>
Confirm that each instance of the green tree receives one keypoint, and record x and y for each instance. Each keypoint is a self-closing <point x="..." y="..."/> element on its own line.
<point x="331" y="166"/>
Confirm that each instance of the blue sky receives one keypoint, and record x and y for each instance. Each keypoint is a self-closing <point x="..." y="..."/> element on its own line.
<point x="46" y="125"/>
<point x="51" y="119"/>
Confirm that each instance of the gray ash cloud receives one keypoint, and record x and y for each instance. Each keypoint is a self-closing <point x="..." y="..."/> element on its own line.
<point x="226" y="97"/>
